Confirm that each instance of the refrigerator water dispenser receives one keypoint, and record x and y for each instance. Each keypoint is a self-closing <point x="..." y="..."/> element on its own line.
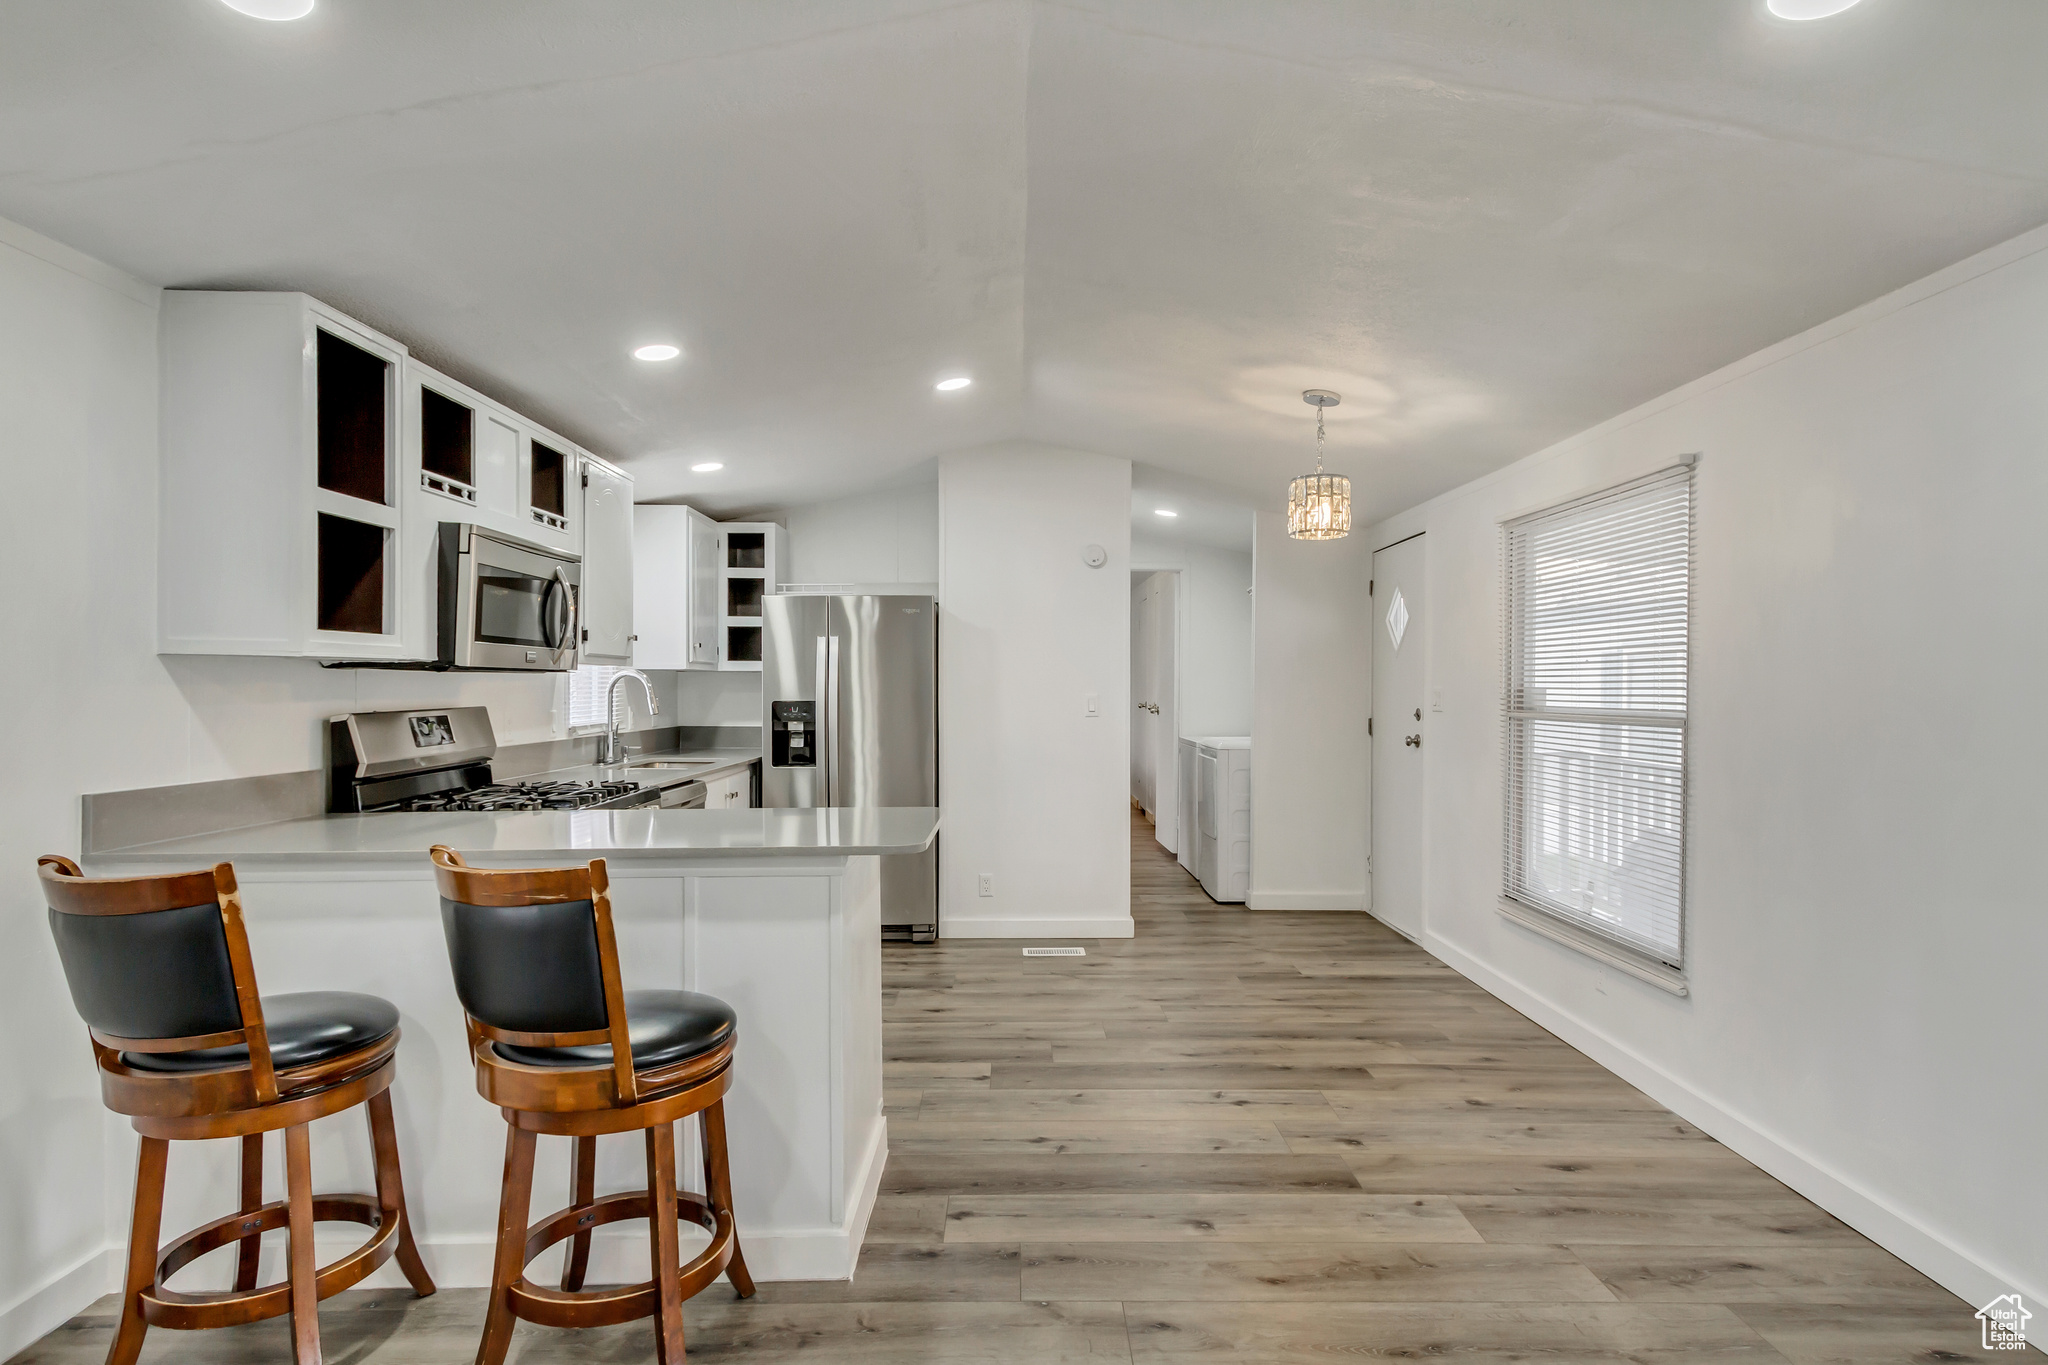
<point x="794" y="740"/>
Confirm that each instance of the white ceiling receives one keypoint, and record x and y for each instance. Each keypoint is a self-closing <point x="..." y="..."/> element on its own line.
<point x="1142" y="225"/>
<point x="1204" y="513"/>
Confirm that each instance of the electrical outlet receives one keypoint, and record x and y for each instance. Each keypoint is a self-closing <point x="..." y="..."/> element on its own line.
<point x="988" y="884"/>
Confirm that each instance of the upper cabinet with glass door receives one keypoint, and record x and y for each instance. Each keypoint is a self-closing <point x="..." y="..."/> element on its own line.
<point x="281" y="508"/>
<point x="551" y="505"/>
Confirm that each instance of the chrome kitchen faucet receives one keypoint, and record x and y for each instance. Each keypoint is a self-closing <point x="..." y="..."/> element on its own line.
<point x="612" y="749"/>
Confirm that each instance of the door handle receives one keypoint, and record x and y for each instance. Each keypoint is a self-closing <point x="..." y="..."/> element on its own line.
<point x="1413" y="741"/>
<point x="566" y="639"/>
<point x="834" y="779"/>
<point x="822" y="762"/>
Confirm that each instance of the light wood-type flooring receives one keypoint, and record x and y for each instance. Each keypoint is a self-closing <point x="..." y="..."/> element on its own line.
<point x="1247" y="1137"/>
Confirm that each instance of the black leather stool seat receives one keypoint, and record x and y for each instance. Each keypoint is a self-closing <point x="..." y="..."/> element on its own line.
<point x="665" y="1027"/>
<point x="308" y="1027"/>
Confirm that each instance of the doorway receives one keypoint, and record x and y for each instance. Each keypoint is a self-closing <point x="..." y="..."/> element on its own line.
<point x="1400" y="623"/>
<point x="1155" y="701"/>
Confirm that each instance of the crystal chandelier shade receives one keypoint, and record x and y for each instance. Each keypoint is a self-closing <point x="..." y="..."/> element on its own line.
<point x="1319" y="504"/>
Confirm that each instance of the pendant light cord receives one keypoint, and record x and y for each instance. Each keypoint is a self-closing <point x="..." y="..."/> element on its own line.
<point x="1319" y="441"/>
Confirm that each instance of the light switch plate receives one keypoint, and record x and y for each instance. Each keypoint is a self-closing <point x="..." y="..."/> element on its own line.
<point x="1091" y="705"/>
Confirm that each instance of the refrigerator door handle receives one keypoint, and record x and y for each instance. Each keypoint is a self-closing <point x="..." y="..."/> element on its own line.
<point x="821" y="692"/>
<point x="829" y="741"/>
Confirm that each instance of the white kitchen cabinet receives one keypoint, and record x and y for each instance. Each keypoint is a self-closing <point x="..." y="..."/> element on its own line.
<point x="458" y="462"/>
<point x="551" y="509"/>
<point x="606" y="598"/>
<point x="307" y="463"/>
<point x="479" y="461"/>
<point x="676" y="587"/>
<point x="749" y="569"/>
<point x="280" y="499"/>
<point x="733" y="792"/>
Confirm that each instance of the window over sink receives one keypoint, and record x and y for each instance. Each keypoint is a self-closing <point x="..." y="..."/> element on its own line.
<point x="588" y="686"/>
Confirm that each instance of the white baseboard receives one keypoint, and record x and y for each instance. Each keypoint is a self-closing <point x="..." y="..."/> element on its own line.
<point x="1305" y="900"/>
<point x="1971" y="1277"/>
<point x="872" y="1164"/>
<point x="1104" y="926"/>
<point x="44" y="1309"/>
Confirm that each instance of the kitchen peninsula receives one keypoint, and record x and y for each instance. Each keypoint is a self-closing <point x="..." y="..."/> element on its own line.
<point x="775" y="911"/>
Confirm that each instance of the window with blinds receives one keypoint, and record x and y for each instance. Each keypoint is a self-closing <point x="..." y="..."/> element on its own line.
<point x="1596" y="604"/>
<point x="587" y="688"/>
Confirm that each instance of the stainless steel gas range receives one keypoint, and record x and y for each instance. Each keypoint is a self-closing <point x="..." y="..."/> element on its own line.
<point x="440" y="760"/>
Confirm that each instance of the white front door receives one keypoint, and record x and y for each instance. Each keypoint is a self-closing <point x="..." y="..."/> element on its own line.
<point x="1399" y="676"/>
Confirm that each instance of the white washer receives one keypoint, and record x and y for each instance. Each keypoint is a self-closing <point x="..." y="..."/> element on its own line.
<point x="1223" y="799"/>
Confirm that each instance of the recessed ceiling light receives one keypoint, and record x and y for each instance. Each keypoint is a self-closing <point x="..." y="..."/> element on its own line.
<point x="656" y="353"/>
<point x="1808" y="9"/>
<point x="1162" y="512"/>
<point x="708" y="467"/>
<point x="271" y="9"/>
<point x="958" y="381"/>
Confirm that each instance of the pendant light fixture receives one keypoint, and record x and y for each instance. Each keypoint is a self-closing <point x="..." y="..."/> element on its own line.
<point x="1319" y="504"/>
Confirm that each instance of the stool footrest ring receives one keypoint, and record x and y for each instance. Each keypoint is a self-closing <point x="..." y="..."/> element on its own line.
<point x="162" y="1307"/>
<point x="619" y="1303"/>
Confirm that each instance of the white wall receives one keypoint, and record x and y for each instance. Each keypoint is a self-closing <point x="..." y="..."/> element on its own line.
<point x="1311" y="694"/>
<point x="1866" y="811"/>
<point x="1033" y="789"/>
<point x="78" y="416"/>
<point x="889" y="536"/>
<point x="1215" y="632"/>
<point x="89" y="706"/>
<point x="709" y="697"/>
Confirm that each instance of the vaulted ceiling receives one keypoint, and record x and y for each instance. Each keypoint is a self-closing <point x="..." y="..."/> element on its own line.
<point x="1143" y="226"/>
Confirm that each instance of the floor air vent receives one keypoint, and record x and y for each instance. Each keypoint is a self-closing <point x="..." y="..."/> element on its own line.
<point x="1055" y="952"/>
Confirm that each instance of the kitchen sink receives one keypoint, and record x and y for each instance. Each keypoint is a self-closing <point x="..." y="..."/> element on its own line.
<point x="672" y="763"/>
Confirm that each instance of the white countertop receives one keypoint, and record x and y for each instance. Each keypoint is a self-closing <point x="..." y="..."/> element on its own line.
<point x="646" y="833"/>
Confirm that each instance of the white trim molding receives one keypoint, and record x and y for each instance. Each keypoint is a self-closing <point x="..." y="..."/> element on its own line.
<point x="1950" y="1265"/>
<point x="976" y="926"/>
<point x="44" y="1309"/>
<point x="1664" y="978"/>
<point x="1305" y="900"/>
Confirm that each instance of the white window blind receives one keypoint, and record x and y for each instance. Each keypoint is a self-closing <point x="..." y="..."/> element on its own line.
<point x="587" y="688"/>
<point x="1597" y="596"/>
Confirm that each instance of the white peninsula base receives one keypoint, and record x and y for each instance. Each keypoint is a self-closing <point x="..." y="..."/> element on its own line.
<point x="790" y="937"/>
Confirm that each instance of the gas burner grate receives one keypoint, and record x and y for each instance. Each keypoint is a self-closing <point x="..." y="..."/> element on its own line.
<point x="526" y="796"/>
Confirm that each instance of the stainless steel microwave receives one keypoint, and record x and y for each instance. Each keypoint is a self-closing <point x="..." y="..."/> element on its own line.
<point x="505" y="603"/>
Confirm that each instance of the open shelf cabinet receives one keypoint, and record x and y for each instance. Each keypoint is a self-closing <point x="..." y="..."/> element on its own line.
<point x="749" y="570"/>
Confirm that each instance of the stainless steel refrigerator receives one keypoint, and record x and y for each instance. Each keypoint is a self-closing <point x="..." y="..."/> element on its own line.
<point x="850" y="717"/>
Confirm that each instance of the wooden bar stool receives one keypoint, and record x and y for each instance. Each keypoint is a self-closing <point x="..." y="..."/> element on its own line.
<point x="159" y="969"/>
<point x="562" y="1048"/>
